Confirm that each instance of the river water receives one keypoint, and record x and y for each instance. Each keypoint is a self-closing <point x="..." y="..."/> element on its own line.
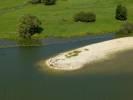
<point x="22" y="79"/>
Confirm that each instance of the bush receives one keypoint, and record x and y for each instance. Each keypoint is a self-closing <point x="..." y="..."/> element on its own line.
<point x="49" y="2"/>
<point x="46" y="2"/>
<point x="35" y="1"/>
<point x="127" y="29"/>
<point x="121" y="13"/>
<point x="29" y="25"/>
<point x="85" y="17"/>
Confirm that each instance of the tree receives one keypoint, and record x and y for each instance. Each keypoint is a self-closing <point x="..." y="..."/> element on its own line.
<point x="121" y="13"/>
<point x="29" y="25"/>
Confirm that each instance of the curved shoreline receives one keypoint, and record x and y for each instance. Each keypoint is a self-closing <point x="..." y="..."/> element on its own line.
<point x="5" y="43"/>
<point x="76" y="59"/>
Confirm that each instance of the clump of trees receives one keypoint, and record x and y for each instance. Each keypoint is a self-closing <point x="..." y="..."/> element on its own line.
<point x="29" y="25"/>
<point x="46" y="2"/>
<point x="85" y="17"/>
<point x="121" y="13"/>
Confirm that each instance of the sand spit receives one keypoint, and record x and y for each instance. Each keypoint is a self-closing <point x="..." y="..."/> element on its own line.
<point x="76" y="59"/>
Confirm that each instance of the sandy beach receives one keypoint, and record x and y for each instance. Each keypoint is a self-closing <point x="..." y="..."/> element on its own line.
<point x="77" y="58"/>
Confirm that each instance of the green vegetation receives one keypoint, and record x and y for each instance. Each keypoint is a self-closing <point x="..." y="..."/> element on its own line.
<point x="121" y="13"/>
<point x="35" y="1"/>
<point x="126" y="29"/>
<point x="49" y="2"/>
<point x="29" y="25"/>
<point x="46" y="2"/>
<point x="58" y="19"/>
<point x="85" y="17"/>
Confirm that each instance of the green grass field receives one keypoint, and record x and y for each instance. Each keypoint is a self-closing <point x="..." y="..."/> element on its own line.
<point x="57" y="20"/>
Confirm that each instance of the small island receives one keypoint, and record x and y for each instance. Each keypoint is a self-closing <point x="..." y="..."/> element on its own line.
<point x="78" y="58"/>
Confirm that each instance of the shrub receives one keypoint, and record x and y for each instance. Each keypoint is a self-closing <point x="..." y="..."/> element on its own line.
<point x="29" y="25"/>
<point x="35" y="1"/>
<point x="46" y="2"/>
<point x="49" y="2"/>
<point x="126" y="29"/>
<point x="121" y="13"/>
<point x="85" y="17"/>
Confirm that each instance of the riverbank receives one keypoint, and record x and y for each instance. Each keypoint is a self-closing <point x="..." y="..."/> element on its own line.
<point x="76" y="59"/>
<point x="5" y="43"/>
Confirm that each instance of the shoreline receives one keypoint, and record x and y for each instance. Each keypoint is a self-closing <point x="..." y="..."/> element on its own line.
<point x="77" y="58"/>
<point x="5" y="43"/>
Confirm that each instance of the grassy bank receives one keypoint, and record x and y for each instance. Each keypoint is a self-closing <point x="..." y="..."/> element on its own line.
<point x="57" y="20"/>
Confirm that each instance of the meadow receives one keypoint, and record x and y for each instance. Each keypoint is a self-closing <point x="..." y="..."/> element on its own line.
<point x="57" y="20"/>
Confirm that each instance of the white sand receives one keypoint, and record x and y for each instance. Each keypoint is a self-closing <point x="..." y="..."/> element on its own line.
<point x="88" y="54"/>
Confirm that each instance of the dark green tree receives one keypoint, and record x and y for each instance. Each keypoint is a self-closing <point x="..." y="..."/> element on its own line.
<point x="121" y="13"/>
<point x="29" y="25"/>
